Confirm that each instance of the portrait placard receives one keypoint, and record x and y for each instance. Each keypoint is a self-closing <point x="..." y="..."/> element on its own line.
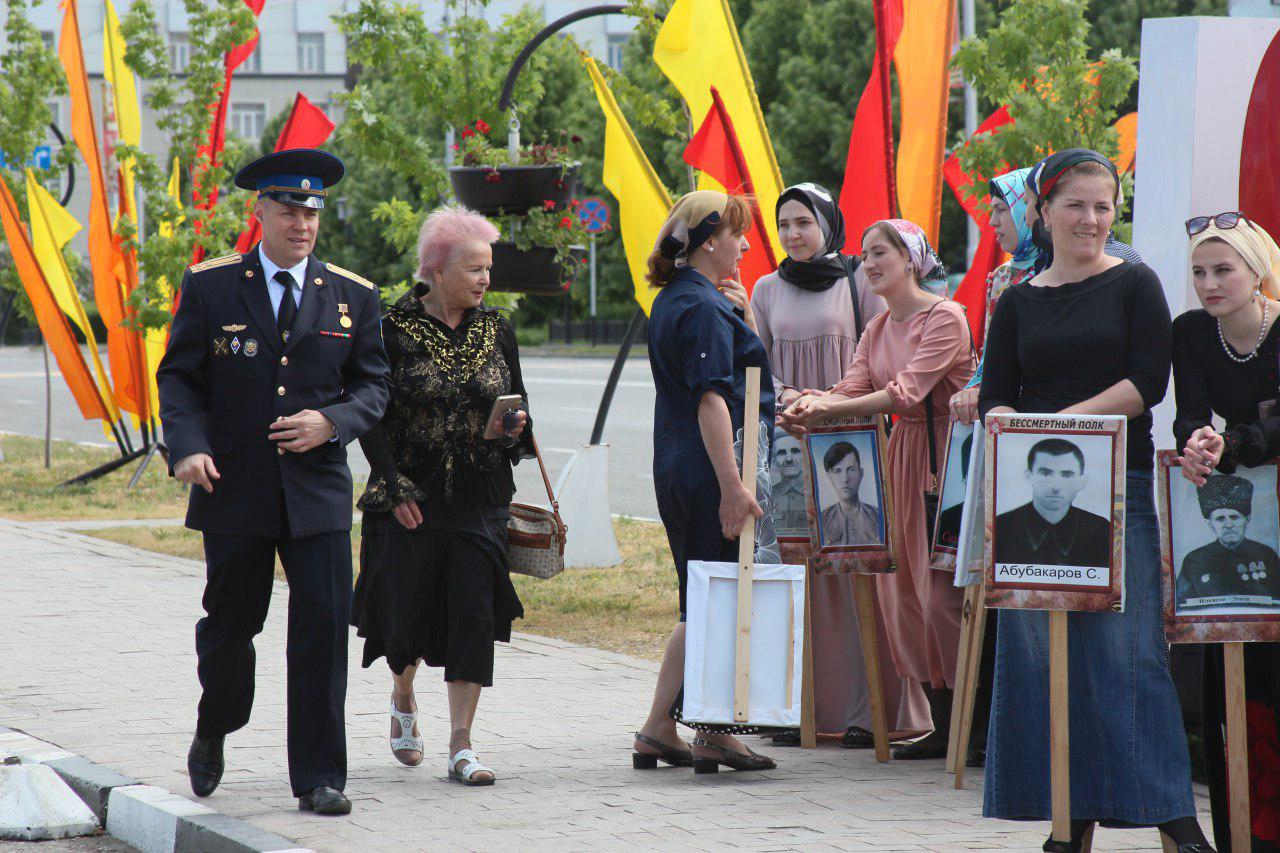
<point x="848" y="500"/>
<point x="952" y="491"/>
<point x="971" y="555"/>
<point x="1055" y="514"/>
<point x="789" y="485"/>
<point x="1219" y="547"/>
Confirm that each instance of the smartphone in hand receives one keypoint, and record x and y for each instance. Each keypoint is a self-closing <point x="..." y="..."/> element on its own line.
<point x="501" y="406"/>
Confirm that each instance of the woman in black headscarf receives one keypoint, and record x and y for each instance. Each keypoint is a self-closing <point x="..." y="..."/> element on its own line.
<point x="810" y="314"/>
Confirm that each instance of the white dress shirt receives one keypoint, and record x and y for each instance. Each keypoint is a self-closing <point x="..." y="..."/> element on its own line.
<point x="274" y="288"/>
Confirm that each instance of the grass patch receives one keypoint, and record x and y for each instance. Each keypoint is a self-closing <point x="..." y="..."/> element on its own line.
<point x="629" y="608"/>
<point x="29" y="491"/>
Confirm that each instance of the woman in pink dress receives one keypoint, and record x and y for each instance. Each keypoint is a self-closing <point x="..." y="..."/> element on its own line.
<point x="810" y="315"/>
<point x="916" y="353"/>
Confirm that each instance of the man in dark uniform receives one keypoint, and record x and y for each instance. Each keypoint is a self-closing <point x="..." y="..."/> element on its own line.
<point x="848" y="521"/>
<point x="275" y="363"/>
<point x="1233" y="564"/>
<point x="949" y="518"/>
<point x="1049" y="530"/>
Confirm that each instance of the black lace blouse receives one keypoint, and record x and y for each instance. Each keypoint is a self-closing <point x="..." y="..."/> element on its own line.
<point x="429" y="445"/>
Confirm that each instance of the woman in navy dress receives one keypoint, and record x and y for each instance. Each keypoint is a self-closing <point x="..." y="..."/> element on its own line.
<point x="700" y="345"/>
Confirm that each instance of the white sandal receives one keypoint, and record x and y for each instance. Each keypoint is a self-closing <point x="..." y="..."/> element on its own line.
<point x="473" y="767"/>
<point x="406" y="742"/>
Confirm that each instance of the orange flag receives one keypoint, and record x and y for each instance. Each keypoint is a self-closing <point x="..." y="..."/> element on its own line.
<point x="922" y="60"/>
<point x="715" y="149"/>
<point x="53" y="323"/>
<point x="124" y="346"/>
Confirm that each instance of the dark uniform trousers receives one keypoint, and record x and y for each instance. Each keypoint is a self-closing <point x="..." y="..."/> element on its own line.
<point x="225" y="377"/>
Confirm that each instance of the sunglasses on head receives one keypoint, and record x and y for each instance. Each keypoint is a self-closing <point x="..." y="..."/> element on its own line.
<point x="1196" y="224"/>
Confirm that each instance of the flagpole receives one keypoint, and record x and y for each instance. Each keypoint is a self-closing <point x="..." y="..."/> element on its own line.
<point x="970" y="29"/>
<point x="48" y="406"/>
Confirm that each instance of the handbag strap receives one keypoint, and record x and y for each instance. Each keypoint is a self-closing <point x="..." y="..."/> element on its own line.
<point x="928" y="417"/>
<point x="546" y="481"/>
<point x="851" y="264"/>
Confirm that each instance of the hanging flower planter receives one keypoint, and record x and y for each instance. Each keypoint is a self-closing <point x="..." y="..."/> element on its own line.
<point x="534" y="271"/>
<point x="493" y="191"/>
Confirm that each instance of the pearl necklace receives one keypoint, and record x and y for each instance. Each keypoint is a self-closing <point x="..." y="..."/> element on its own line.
<point x="1262" y="334"/>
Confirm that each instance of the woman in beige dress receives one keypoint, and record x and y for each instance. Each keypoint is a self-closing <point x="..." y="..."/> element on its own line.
<point x="916" y="354"/>
<point x="810" y="316"/>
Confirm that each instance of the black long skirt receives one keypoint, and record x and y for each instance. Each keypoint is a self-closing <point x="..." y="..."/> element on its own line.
<point x="441" y="592"/>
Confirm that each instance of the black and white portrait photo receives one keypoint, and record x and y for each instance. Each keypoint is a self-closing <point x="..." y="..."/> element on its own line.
<point x="1053" y="501"/>
<point x="786" y="486"/>
<point x="1224" y="543"/>
<point x="849" y="488"/>
<point x="955" y="484"/>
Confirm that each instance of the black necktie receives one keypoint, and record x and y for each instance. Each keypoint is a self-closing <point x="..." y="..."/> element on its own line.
<point x="288" y="308"/>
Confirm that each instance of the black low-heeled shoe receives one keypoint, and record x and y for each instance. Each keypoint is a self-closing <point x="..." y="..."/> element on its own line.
<point x="1081" y="836"/>
<point x="855" y="737"/>
<point x="791" y="737"/>
<point x="733" y="760"/>
<point x="666" y="754"/>
<point x="205" y="764"/>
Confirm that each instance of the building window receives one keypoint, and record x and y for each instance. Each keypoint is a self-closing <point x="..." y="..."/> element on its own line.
<point x="179" y="52"/>
<point x="253" y="62"/>
<point x="311" y="53"/>
<point x="248" y="120"/>
<point x="613" y="50"/>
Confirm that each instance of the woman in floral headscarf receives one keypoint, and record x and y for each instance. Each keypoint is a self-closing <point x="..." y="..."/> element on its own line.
<point x="911" y="358"/>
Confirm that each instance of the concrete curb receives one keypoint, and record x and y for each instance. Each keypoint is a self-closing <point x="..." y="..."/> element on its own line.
<point x="149" y="818"/>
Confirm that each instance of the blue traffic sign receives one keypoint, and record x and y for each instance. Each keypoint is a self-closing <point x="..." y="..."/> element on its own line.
<point x="594" y="214"/>
<point x="41" y="158"/>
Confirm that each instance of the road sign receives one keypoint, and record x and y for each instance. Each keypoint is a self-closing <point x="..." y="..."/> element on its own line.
<point x="42" y="158"/>
<point x="594" y="214"/>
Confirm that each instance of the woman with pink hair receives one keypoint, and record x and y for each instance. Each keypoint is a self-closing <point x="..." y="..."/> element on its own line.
<point x="434" y="582"/>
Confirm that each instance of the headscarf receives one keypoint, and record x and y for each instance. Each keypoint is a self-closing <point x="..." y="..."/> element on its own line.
<point x="928" y="265"/>
<point x="1009" y="188"/>
<point x="827" y="266"/>
<point x="693" y="219"/>
<point x="1254" y="245"/>
<point x="1046" y="174"/>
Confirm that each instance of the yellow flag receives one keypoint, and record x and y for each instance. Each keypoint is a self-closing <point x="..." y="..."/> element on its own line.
<point x="698" y="48"/>
<point x="643" y="202"/>
<point x="124" y="88"/>
<point x="52" y="227"/>
<point x="157" y="339"/>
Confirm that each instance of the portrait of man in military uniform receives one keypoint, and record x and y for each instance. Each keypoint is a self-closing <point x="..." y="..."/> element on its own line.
<point x="847" y="520"/>
<point x="790" y="517"/>
<point x="1233" y="564"/>
<point x="954" y="489"/>
<point x="1049" y="530"/>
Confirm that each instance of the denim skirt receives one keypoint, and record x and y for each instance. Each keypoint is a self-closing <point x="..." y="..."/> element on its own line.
<point x="1129" y="761"/>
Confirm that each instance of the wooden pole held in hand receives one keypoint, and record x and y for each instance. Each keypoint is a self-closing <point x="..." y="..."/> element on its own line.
<point x="862" y="598"/>
<point x="1059" y="726"/>
<point x="1237" y="747"/>
<point x="746" y="551"/>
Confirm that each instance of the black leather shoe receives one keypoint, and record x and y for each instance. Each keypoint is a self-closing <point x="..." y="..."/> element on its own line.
<point x="205" y="764"/>
<point x="791" y="737"/>
<point x="324" y="800"/>
<point x="924" y="749"/>
<point x="977" y="758"/>
<point x="855" y="737"/>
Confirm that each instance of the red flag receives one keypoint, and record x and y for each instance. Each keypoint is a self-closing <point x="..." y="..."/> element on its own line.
<point x="972" y="292"/>
<point x="306" y="127"/>
<point x="868" y="193"/>
<point x="715" y="149"/>
<point x="218" y="128"/>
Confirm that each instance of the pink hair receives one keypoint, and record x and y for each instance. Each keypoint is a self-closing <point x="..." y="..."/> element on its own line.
<point x="447" y="228"/>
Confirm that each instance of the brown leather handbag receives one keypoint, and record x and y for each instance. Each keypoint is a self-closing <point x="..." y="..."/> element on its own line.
<point x="536" y="536"/>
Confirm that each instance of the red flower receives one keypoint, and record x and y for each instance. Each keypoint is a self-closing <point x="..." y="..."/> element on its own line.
<point x="567" y="222"/>
<point x="564" y="286"/>
<point x="575" y="139"/>
<point x="493" y="176"/>
<point x="482" y="126"/>
<point x="582" y="261"/>
<point x="573" y="204"/>
<point x="559" y="184"/>
<point x="467" y="131"/>
<point x="456" y="147"/>
<point x="548" y="204"/>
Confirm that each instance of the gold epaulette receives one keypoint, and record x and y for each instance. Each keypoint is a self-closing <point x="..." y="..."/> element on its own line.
<point x="214" y="263"/>
<point x="350" y="275"/>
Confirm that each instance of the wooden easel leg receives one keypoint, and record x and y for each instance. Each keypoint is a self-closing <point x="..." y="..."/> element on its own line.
<point x="969" y="699"/>
<point x="1059" y="728"/>
<point x="1237" y="747"/>
<point x="808" y="715"/>
<point x="964" y="674"/>
<point x="864" y="601"/>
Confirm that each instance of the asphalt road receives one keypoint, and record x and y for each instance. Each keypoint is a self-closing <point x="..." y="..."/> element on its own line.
<point x="564" y="394"/>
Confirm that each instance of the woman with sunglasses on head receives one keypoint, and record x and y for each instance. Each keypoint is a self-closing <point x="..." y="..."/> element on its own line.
<point x="810" y="315"/>
<point x="1090" y="336"/>
<point x="909" y="362"/>
<point x="1225" y="363"/>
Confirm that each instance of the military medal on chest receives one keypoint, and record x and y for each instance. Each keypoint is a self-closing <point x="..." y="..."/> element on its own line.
<point x="343" y="319"/>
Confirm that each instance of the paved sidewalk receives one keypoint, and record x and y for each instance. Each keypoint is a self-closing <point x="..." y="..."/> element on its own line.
<point x="97" y="656"/>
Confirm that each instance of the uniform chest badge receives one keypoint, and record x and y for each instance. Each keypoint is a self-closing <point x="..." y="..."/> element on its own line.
<point x="1204" y="579"/>
<point x="234" y="327"/>
<point x="220" y="346"/>
<point x="235" y="345"/>
<point x="250" y="347"/>
<point x="343" y="320"/>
